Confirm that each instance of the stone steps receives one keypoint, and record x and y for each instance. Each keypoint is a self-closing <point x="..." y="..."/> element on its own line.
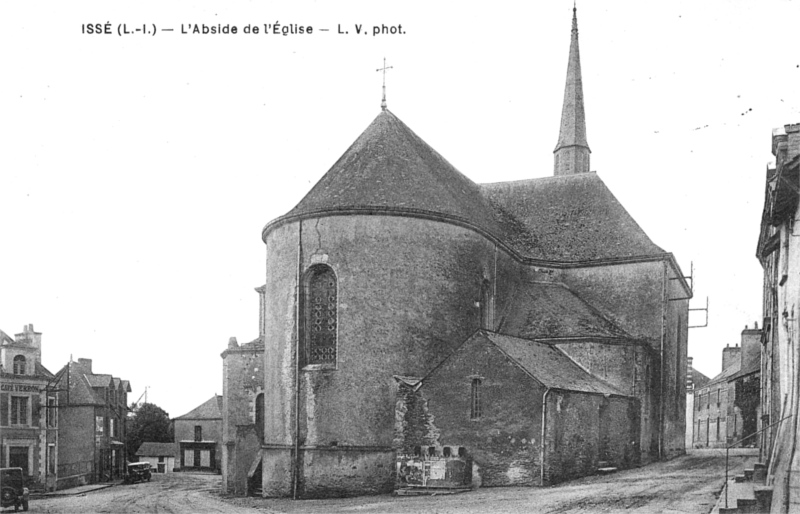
<point x="746" y="493"/>
<point x="605" y="467"/>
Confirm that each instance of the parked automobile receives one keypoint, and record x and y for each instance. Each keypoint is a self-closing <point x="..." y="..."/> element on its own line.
<point x="137" y="472"/>
<point x="12" y="489"/>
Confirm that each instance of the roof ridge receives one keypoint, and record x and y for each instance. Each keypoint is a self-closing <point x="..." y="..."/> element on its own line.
<point x="541" y="179"/>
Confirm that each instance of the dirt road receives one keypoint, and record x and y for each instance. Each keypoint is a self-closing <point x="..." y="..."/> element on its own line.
<point x="174" y="493"/>
<point x="689" y="484"/>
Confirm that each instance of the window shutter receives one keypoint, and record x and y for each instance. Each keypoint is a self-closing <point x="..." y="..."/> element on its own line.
<point x="4" y="409"/>
<point x="35" y="404"/>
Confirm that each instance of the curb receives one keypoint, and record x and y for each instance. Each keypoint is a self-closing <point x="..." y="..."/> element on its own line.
<point x="58" y="494"/>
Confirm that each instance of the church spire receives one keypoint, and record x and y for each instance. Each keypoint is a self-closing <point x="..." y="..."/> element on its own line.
<point x="572" y="151"/>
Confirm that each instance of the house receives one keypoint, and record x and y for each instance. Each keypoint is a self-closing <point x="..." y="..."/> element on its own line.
<point x="161" y="456"/>
<point x="28" y="415"/>
<point x="198" y="436"/>
<point x="694" y="381"/>
<point x="92" y="411"/>
<point x="727" y="407"/>
<point x="778" y="251"/>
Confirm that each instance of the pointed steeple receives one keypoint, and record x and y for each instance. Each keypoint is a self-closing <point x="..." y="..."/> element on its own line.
<point x="572" y="151"/>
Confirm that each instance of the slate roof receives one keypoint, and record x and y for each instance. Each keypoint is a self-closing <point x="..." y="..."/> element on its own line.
<point x="80" y="390"/>
<point x="570" y="218"/>
<point x="99" y="380"/>
<point x="699" y="380"/>
<point x="5" y="338"/>
<point x="82" y="385"/>
<point x="726" y="373"/>
<point x="567" y="218"/>
<point x="211" y="409"/>
<point x="390" y="167"/>
<point x="40" y="370"/>
<point x="256" y="344"/>
<point x="156" y="450"/>
<point x="544" y="310"/>
<point x="549" y="365"/>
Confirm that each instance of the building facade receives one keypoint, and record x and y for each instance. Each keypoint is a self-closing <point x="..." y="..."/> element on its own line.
<point x="198" y="436"/>
<point x="695" y="380"/>
<point x="28" y="414"/>
<point x="727" y="408"/>
<point x="92" y="414"/>
<point x="243" y="411"/>
<point x="394" y="260"/>
<point x="778" y="252"/>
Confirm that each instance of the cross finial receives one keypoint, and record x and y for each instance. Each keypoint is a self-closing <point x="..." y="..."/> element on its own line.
<point x="383" y="100"/>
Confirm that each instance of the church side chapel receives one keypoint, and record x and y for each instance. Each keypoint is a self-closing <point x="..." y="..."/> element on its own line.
<point x="422" y="330"/>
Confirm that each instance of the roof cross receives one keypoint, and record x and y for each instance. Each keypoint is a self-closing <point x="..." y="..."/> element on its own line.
<point x="383" y="100"/>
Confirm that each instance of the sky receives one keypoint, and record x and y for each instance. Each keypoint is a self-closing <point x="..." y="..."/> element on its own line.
<point x="137" y="171"/>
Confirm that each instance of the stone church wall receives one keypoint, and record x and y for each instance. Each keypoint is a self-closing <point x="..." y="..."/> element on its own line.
<point x="629" y="294"/>
<point x="674" y="386"/>
<point x="504" y="441"/>
<point x="586" y="431"/>
<point x="408" y="293"/>
<point x="242" y="379"/>
<point x="634" y="295"/>
<point x="583" y="432"/>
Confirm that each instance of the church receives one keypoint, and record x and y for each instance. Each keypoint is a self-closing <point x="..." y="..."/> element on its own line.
<point x="529" y="329"/>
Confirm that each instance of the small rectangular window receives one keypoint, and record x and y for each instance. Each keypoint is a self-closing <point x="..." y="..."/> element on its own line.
<point x="198" y="433"/>
<point x="99" y="424"/>
<point x="476" y="409"/>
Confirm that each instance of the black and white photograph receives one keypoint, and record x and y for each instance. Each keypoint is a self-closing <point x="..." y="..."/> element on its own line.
<point x="400" y="257"/>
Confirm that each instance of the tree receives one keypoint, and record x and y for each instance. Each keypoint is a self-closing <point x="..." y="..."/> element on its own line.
<point x="150" y="424"/>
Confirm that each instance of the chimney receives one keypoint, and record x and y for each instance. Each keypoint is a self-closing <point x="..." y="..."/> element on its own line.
<point x="31" y="338"/>
<point x="751" y="345"/>
<point x="233" y="343"/>
<point x="793" y="140"/>
<point x="730" y="355"/>
<point x="85" y="365"/>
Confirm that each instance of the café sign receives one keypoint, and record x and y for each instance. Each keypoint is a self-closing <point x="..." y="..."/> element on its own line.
<point x="19" y="388"/>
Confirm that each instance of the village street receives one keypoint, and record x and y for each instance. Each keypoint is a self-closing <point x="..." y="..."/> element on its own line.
<point x="689" y="484"/>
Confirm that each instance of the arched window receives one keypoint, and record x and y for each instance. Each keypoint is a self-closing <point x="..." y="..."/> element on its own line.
<point x="486" y="299"/>
<point x="19" y="365"/>
<point x="260" y="416"/>
<point x="320" y="316"/>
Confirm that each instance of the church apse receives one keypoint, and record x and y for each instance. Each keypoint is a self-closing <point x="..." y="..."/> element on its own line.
<point x="395" y="264"/>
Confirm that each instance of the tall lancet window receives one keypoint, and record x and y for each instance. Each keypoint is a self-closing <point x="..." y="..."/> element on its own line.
<point x="485" y="301"/>
<point x="320" y="315"/>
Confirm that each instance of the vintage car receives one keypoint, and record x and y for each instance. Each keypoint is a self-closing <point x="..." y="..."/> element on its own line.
<point x="12" y="489"/>
<point x="137" y="472"/>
